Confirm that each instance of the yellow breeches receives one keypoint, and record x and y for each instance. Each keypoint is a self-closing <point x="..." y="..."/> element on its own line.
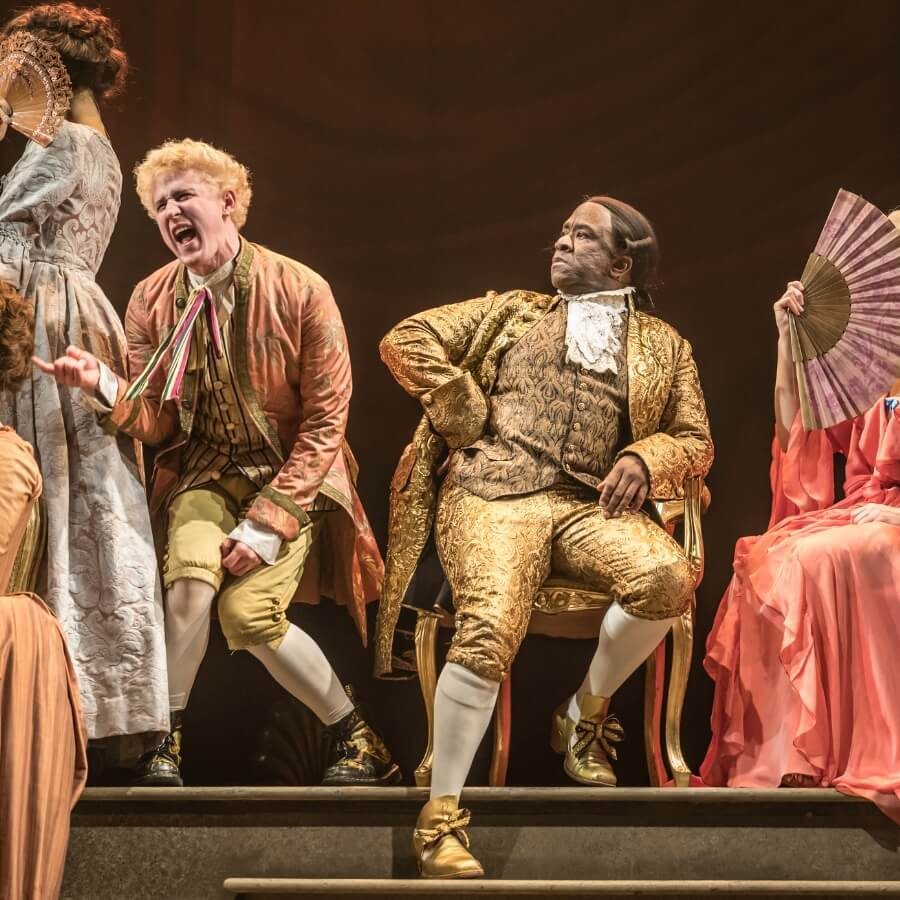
<point x="497" y="553"/>
<point x="251" y="607"/>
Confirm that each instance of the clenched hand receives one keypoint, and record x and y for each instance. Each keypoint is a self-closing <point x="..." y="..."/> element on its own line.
<point x="238" y="558"/>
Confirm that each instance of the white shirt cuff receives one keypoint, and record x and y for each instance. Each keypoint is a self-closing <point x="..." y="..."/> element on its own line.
<point x="263" y="542"/>
<point x="104" y="397"/>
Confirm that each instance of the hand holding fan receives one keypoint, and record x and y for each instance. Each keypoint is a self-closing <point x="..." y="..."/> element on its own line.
<point x="35" y="91"/>
<point x="846" y="342"/>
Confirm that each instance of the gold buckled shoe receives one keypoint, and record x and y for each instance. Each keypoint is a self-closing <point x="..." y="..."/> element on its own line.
<point x="162" y="767"/>
<point x="440" y="841"/>
<point x="588" y="743"/>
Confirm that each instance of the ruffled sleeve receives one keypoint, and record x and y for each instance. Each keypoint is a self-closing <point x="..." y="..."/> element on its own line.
<point x="802" y="477"/>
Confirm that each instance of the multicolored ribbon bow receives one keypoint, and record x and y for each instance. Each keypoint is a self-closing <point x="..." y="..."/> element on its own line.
<point x="179" y="339"/>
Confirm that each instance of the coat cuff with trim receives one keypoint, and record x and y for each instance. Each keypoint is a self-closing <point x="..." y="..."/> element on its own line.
<point x="664" y="461"/>
<point x="278" y="513"/>
<point x="458" y="410"/>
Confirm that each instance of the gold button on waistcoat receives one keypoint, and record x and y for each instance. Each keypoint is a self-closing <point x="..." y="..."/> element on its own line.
<point x="230" y="426"/>
<point x="576" y="426"/>
<point x="215" y="475"/>
<point x="218" y="385"/>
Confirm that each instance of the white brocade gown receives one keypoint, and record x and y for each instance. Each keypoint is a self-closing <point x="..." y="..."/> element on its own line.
<point x="58" y="208"/>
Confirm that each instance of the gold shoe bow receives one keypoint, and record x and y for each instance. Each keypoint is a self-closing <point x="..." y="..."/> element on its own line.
<point x="606" y="732"/>
<point x="454" y="824"/>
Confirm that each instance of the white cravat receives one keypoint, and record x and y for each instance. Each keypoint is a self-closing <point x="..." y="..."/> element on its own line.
<point x="593" y="325"/>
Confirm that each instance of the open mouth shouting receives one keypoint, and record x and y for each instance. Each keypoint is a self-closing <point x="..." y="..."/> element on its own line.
<point x="185" y="237"/>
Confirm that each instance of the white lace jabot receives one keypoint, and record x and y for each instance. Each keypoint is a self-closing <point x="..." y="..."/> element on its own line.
<point x="593" y="325"/>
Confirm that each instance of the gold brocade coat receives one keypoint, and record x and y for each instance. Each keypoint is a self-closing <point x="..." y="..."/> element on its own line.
<point x="449" y="358"/>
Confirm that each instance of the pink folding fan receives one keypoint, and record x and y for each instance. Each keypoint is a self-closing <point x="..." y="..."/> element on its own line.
<point x="846" y="342"/>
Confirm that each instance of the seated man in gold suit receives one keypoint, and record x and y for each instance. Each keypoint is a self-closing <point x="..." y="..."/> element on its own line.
<point x="563" y="414"/>
<point x="43" y="763"/>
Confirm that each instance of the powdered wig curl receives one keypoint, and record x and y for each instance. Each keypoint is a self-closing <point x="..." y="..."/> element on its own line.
<point x="16" y="337"/>
<point x="220" y="168"/>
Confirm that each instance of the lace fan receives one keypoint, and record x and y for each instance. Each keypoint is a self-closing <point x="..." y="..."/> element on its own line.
<point x="846" y="342"/>
<point x="35" y="91"/>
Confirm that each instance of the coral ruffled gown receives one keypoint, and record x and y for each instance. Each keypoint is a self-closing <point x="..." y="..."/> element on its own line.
<point x="805" y="648"/>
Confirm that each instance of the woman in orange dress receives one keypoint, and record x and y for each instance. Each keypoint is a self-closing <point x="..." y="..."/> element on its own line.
<point x="42" y="741"/>
<point x="804" y="646"/>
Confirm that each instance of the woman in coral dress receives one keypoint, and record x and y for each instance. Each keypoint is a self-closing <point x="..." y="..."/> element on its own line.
<point x="805" y="648"/>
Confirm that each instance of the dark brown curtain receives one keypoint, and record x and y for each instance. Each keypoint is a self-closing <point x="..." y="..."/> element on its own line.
<point x="416" y="152"/>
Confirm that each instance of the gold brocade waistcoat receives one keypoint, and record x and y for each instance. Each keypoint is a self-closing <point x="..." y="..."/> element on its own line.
<point x="548" y="418"/>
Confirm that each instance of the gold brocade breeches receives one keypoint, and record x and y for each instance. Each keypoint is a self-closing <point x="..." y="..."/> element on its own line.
<point x="251" y="607"/>
<point x="497" y="553"/>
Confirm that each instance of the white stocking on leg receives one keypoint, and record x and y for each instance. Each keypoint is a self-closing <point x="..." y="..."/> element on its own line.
<point x="625" y="642"/>
<point x="188" y="605"/>
<point x="301" y="668"/>
<point x="462" y="712"/>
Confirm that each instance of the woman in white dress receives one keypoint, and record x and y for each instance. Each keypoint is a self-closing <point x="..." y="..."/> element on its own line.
<point x="58" y="208"/>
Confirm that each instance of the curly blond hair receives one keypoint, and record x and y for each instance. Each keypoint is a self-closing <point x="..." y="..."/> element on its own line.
<point x="220" y="168"/>
<point x="16" y="337"/>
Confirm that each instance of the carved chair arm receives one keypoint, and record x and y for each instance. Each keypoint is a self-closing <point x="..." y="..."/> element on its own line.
<point x="688" y="511"/>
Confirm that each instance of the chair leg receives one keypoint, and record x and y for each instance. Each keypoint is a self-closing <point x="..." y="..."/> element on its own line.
<point x="682" y="650"/>
<point x="426" y="663"/>
<point x="29" y="543"/>
<point x="502" y="728"/>
<point x="653" y="697"/>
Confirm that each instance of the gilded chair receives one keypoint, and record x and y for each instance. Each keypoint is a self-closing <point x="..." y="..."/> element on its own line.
<point x="569" y="609"/>
<point x="24" y="572"/>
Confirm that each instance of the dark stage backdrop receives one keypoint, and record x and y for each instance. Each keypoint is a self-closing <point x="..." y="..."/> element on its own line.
<point x="416" y="153"/>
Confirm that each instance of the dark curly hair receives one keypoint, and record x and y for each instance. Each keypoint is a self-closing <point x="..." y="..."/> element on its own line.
<point x="88" y="42"/>
<point x="16" y="337"/>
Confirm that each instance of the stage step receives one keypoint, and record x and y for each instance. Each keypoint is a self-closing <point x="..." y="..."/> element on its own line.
<point x="184" y="843"/>
<point x="407" y="887"/>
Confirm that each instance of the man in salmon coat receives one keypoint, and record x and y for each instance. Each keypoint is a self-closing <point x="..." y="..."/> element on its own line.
<point x="241" y="376"/>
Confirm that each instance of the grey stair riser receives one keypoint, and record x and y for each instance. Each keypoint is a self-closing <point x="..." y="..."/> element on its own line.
<point x="208" y="853"/>
<point x="171" y="844"/>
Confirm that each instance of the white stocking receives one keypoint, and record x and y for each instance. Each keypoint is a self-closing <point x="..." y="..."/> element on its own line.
<point x="625" y="642"/>
<point x="300" y="667"/>
<point x="188" y="605"/>
<point x="462" y="712"/>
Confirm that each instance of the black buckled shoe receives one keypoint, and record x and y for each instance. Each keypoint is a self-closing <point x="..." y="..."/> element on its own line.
<point x="162" y="767"/>
<point x="360" y="757"/>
